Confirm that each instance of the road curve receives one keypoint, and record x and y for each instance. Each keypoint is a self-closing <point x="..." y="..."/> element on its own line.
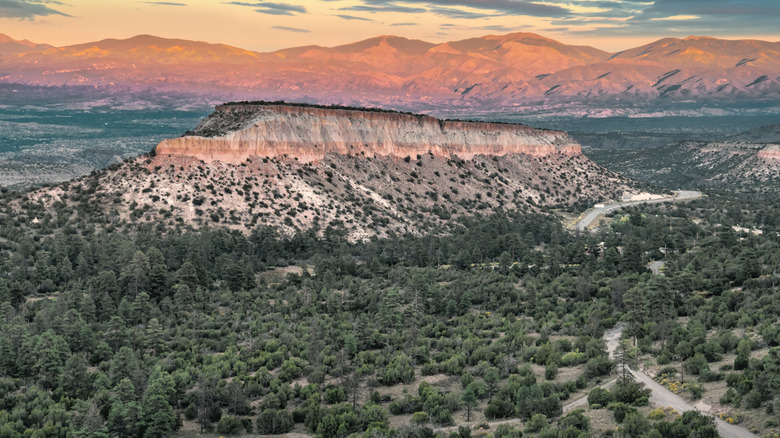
<point x="584" y="222"/>
<point x="660" y="396"/>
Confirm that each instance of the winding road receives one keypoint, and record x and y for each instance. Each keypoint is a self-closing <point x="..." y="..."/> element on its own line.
<point x="591" y="215"/>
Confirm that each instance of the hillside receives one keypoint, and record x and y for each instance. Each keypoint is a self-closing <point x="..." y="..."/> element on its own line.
<point x="745" y="164"/>
<point x="504" y="325"/>
<point x="359" y="192"/>
<point x="495" y="73"/>
<point x="760" y="134"/>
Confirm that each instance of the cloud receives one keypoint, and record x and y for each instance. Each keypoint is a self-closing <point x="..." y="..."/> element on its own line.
<point x="713" y="17"/>
<point x="27" y="9"/>
<point x="514" y="7"/>
<point x="291" y="29"/>
<point x="458" y="13"/>
<point x="384" y="8"/>
<point x="489" y="28"/>
<point x="676" y="18"/>
<point x="499" y="28"/>
<point x="271" y="8"/>
<point x="403" y="24"/>
<point x="610" y="18"/>
<point x="352" y="17"/>
<point x="733" y="8"/>
<point x="165" y="4"/>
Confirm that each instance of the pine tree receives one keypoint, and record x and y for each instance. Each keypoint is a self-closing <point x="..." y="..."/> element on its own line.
<point x="624" y="360"/>
<point x="156" y="411"/>
<point x="636" y="311"/>
<point x="136" y="274"/>
<point x="469" y="400"/>
<point x="51" y="352"/>
<point x="662" y="303"/>
<point x="491" y="381"/>
<point x="74" y="380"/>
<point x="154" y="337"/>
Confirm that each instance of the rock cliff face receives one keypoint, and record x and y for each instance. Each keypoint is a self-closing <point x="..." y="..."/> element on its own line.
<point x="771" y="152"/>
<point x="235" y="132"/>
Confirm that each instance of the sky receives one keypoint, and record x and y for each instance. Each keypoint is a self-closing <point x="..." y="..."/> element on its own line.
<point x="611" y="25"/>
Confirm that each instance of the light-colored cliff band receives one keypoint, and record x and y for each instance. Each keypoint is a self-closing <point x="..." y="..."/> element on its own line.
<point x="235" y="132"/>
<point x="771" y="152"/>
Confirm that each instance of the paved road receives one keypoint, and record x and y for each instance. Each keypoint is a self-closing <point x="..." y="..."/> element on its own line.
<point x="656" y="267"/>
<point x="660" y="396"/>
<point x="592" y="214"/>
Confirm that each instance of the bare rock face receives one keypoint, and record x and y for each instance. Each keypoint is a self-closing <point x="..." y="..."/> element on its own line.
<point x="771" y="152"/>
<point x="235" y="132"/>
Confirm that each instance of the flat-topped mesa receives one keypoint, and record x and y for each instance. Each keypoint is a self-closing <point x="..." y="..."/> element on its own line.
<point x="237" y="131"/>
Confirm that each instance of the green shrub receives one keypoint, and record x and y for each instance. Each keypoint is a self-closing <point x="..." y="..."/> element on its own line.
<point x="420" y="418"/>
<point x="274" y="422"/>
<point x="657" y="414"/>
<point x="621" y="410"/>
<point x="507" y="431"/>
<point x="550" y="372"/>
<point x="600" y="397"/>
<point x="753" y="400"/>
<point x="696" y="391"/>
<point x="230" y="426"/>
<point x="536" y="423"/>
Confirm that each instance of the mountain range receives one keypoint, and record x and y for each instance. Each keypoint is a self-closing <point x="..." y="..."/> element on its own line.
<point x="494" y="73"/>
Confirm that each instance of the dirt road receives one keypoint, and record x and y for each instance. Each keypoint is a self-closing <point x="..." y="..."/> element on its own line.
<point x="660" y="396"/>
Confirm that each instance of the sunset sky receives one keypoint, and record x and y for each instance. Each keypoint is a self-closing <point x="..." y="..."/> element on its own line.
<point x="269" y="25"/>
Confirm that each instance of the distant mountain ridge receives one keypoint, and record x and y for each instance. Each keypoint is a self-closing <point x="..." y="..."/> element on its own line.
<point x="10" y="46"/>
<point x="493" y="73"/>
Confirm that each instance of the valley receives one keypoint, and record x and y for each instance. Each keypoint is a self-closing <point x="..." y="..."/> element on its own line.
<point x="407" y="275"/>
<point x="492" y="236"/>
<point x="746" y="163"/>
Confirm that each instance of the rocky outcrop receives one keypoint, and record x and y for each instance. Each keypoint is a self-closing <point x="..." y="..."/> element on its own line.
<point x="235" y="132"/>
<point x="771" y="152"/>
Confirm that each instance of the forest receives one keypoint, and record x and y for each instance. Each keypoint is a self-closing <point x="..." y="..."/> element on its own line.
<point x="109" y="329"/>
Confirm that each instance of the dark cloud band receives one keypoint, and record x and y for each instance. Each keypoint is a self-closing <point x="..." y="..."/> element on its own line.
<point x="271" y="8"/>
<point x="27" y="9"/>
